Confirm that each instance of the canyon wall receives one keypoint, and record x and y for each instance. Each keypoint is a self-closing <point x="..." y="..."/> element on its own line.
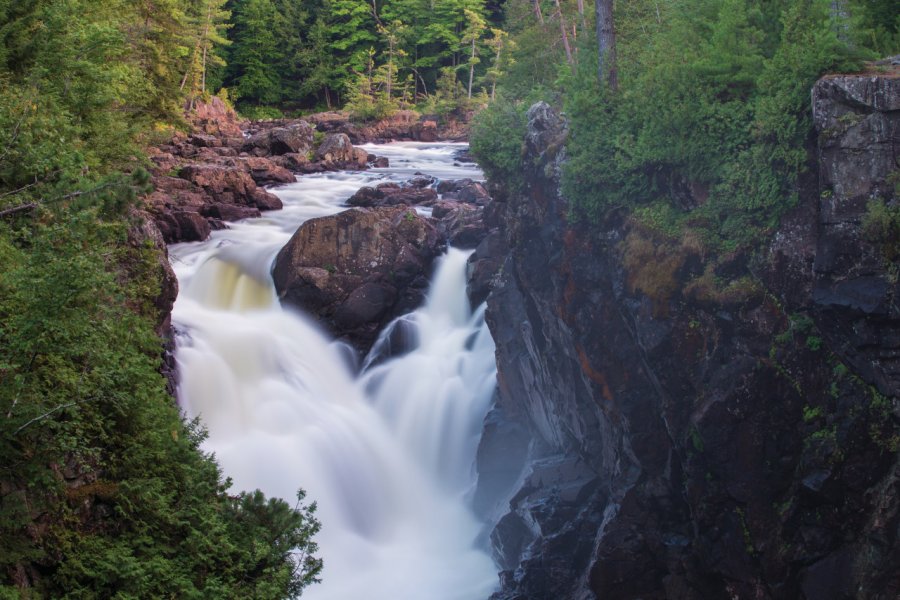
<point x="676" y="438"/>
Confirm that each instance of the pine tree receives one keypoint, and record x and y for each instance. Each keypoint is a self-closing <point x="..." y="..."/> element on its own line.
<point x="255" y="53"/>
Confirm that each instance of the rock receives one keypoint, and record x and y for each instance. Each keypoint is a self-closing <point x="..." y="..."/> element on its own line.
<point x="144" y="231"/>
<point x="420" y="180"/>
<point x="857" y="117"/>
<point x="291" y="161"/>
<point x="391" y="194"/>
<point x="461" y="223"/>
<point x="483" y="266"/>
<point x="183" y="226"/>
<point x="296" y="138"/>
<point x="700" y="448"/>
<point x="379" y="162"/>
<point x="463" y="155"/>
<point x="337" y="148"/>
<point x="267" y="172"/>
<point x="217" y="119"/>
<point x="227" y="185"/>
<point x="230" y="212"/>
<point x="264" y="200"/>
<point x="358" y="269"/>
<point x="232" y="184"/>
<point x="203" y="140"/>
<point x="472" y="192"/>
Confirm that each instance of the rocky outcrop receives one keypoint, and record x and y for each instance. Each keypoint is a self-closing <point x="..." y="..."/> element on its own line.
<point x="296" y="138"/>
<point x="403" y="125"/>
<point x="359" y="269"/>
<point x="698" y="443"/>
<point x="858" y="121"/>
<point x="336" y="149"/>
<point x="392" y="194"/>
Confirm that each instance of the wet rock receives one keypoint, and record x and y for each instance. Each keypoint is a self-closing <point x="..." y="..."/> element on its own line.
<point x="358" y="269"/>
<point x="228" y="185"/>
<point x="464" y="190"/>
<point x="392" y="194"/>
<point x="267" y="172"/>
<point x="230" y="212"/>
<point x="337" y="148"/>
<point x="463" y="224"/>
<point x="296" y="138"/>
<point x="483" y="266"/>
<point x="264" y="200"/>
<point x="183" y="226"/>
<point x="292" y="161"/>
<point x="379" y="162"/>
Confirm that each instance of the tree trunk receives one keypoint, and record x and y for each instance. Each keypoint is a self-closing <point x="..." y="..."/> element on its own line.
<point x="205" y="47"/>
<point x="472" y="68"/>
<point x="565" y="34"/>
<point x="537" y="11"/>
<point x="840" y="18"/>
<point x="606" y="43"/>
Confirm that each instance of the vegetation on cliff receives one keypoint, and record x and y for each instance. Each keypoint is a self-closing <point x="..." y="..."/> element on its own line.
<point x="709" y="127"/>
<point x="103" y="488"/>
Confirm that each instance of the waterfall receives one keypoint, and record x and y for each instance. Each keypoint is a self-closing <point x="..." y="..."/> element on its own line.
<point x="388" y="454"/>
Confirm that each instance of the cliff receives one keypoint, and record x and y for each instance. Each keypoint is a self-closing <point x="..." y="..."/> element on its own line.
<point x="701" y="441"/>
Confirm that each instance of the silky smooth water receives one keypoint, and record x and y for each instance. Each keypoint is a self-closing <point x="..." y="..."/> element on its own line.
<point x="387" y="454"/>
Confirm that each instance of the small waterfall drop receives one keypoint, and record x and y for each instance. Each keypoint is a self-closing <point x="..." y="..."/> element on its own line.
<point x="389" y="454"/>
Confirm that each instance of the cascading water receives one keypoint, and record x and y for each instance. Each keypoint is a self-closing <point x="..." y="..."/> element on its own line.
<point x="388" y="455"/>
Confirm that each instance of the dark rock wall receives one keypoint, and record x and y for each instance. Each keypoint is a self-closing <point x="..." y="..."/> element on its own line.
<point x="740" y="445"/>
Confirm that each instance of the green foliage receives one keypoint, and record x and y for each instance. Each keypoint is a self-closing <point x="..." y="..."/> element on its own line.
<point x="105" y="490"/>
<point x="712" y="116"/>
<point x="305" y="52"/>
<point x="255" y="54"/>
<point x="881" y="226"/>
<point x="496" y="141"/>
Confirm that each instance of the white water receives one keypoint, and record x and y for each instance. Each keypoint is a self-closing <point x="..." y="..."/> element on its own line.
<point x="387" y="455"/>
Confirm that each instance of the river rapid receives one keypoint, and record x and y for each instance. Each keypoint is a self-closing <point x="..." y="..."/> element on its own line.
<point x="388" y="454"/>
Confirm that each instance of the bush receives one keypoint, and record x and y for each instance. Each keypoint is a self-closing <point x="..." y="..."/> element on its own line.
<point x="496" y="138"/>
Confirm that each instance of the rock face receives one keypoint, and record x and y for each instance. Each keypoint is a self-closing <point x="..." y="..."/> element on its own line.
<point x="359" y="269"/>
<point x="696" y="446"/>
<point x="392" y="194"/>
<point x="295" y="138"/>
<point x="858" y="120"/>
<point x="337" y="149"/>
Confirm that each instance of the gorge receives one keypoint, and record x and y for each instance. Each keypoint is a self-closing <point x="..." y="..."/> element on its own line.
<point x="387" y="453"/>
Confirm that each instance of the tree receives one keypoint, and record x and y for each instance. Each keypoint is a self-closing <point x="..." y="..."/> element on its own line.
<point x="256" y="52"/>
<point x="211" y="27"/>
<point x="475" y="26"/>
<point x="606" y="43"/>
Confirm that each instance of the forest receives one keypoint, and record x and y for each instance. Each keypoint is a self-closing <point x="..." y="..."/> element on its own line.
<point x="708" y="95"/>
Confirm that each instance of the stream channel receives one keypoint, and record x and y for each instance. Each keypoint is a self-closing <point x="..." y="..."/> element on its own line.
<point x="388" y="454"/>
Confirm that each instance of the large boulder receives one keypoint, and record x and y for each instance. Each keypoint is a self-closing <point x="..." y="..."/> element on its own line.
<point x="338" y="149"/>
<point x="294" y="138"/>
<point x="462" y="223"/>
<point x="183" y="226"/>
<point x="229" y="185"/>
<point x="464" y="190"/>
<point x="392" y="194"/>
<point x="266" y="172"/>
<point x="358" y="269"/>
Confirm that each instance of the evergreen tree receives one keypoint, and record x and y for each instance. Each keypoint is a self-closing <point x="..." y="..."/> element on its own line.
<point x="256" y="53"/>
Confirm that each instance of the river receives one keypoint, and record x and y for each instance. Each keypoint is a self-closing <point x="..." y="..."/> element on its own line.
<point x="388" y="454"/>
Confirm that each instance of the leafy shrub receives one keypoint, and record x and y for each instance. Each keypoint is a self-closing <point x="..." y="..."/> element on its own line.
<point x="496" y="141"/>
